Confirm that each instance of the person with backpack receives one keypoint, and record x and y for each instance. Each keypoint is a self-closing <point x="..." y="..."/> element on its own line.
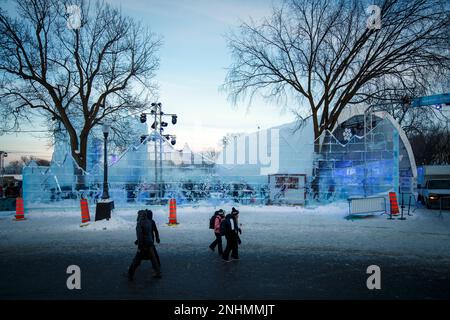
<point x="231" y="230"/>
<point x="145" y="243"/>
<point x="214" y="223"/>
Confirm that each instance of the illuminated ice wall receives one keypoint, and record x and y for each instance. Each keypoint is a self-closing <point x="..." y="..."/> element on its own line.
<point x="353" y="161"/>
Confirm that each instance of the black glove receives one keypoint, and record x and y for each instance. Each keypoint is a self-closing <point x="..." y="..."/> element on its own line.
<point x="157" y="240"/>
<point x="240" y="231"/>
<point x="135" y="243"/>
<point x="239" y="240"/>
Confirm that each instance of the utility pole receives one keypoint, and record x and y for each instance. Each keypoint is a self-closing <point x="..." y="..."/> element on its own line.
<point x="155" y="124"/>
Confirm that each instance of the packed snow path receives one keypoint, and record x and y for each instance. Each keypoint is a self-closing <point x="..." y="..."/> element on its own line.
<point x="286" y="253"/>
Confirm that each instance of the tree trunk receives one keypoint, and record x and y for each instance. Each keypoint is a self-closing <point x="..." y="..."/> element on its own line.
<point x="81" y="163"/>
<point x="315" y="171"/>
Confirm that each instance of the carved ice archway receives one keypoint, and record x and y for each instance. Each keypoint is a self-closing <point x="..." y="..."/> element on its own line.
<point x="385" y="115"/>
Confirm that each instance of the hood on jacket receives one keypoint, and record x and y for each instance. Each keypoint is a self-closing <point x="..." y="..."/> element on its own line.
<point x="142" y="215"/>
<point x="149" y="214"/>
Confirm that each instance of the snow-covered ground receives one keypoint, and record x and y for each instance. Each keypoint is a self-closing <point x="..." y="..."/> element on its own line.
<point x="423" y="235"/>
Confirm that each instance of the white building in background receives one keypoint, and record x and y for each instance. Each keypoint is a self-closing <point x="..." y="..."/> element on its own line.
<point x="285" y="149"/>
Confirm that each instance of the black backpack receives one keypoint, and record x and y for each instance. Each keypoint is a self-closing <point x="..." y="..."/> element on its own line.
<point x="224" y="227"/>
<point x="212" y="221"/>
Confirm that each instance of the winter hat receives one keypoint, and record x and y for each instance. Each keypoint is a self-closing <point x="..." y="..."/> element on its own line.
<point x="234" y="211"/>
<point x="221" y="212"/>
<point x="142" y="214"/>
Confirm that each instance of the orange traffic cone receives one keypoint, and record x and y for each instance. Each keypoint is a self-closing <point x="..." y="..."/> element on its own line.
<point x="20" y="213"/>
<point x="172" y="212"/>
<point x="394" y="204"/>
<point x="85" y="218"/>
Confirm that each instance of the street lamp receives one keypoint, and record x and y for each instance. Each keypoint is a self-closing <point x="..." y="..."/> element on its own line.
<point x="3" y="155"/>
<point x="105" y="130"/>
<point x="105" y="205"/>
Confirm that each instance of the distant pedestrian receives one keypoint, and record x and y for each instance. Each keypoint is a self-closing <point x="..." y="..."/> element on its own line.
<point x="146" y="246"/>
<point x="231" y="230"/>
<point x="218" y="218"/>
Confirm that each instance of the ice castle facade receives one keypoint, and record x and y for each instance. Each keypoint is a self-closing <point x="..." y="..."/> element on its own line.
<point x="279" y="165"/>
<point x="360" y="161"/>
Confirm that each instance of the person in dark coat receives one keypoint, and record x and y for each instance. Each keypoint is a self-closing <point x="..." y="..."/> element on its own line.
<point x="155" y="233"/>
<point x="146" y="246"/>
<point x="220" y="215"/>
<point x="232" y="231"/>
<point x="236" y="215"/>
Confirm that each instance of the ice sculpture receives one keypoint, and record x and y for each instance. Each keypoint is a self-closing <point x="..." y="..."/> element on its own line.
<point x="371" y="161"/>
<point x="276" y="165"/>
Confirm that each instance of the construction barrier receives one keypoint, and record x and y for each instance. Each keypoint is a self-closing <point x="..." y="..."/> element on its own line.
<point x="394" y="203"/>
<point x="366" y="205"/>
<point x="85" y="218"/>
<point x="20" y="212"/>
<point x="172" y="212"/>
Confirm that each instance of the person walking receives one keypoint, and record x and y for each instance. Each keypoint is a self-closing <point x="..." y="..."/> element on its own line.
<point x="146" y="246"/>
<point x="231" y="230"/>
<point x="236" y="215"/>
<point x="155" y="233"/>
<point x="219" y="216"/>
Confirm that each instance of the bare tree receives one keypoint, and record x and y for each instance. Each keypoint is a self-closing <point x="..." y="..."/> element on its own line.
<point x="16" y="166"/>
<point x="79" y="63"/>
<point x="325" y="53"/>
<point x="211" y="154"/>
<point x="431" y="146"/>
<point x="415" y="120"/>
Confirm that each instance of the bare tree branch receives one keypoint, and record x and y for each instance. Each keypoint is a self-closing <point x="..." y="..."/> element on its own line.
<point x="78" y="76"/>
<point x="322" y="53"/>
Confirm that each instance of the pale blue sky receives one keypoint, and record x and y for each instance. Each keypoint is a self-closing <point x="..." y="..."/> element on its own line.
<point x="193" y="61"/>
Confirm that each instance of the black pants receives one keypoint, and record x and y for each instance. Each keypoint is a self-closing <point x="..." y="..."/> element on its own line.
<point x="148" y="253"/>
<point x="157" y="256"/>
<point x="218" y="243"/>
<point x="232" y="246"/>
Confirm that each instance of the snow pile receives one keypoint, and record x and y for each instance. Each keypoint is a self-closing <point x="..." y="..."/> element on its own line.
<point x="115" y="223"/>
<point x="266" y="228"/>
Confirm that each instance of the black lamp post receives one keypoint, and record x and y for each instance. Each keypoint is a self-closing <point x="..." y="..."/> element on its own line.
<point x="3" y="155"/>
<point x="105" y="162"/>
<point x="105" y="205"/>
